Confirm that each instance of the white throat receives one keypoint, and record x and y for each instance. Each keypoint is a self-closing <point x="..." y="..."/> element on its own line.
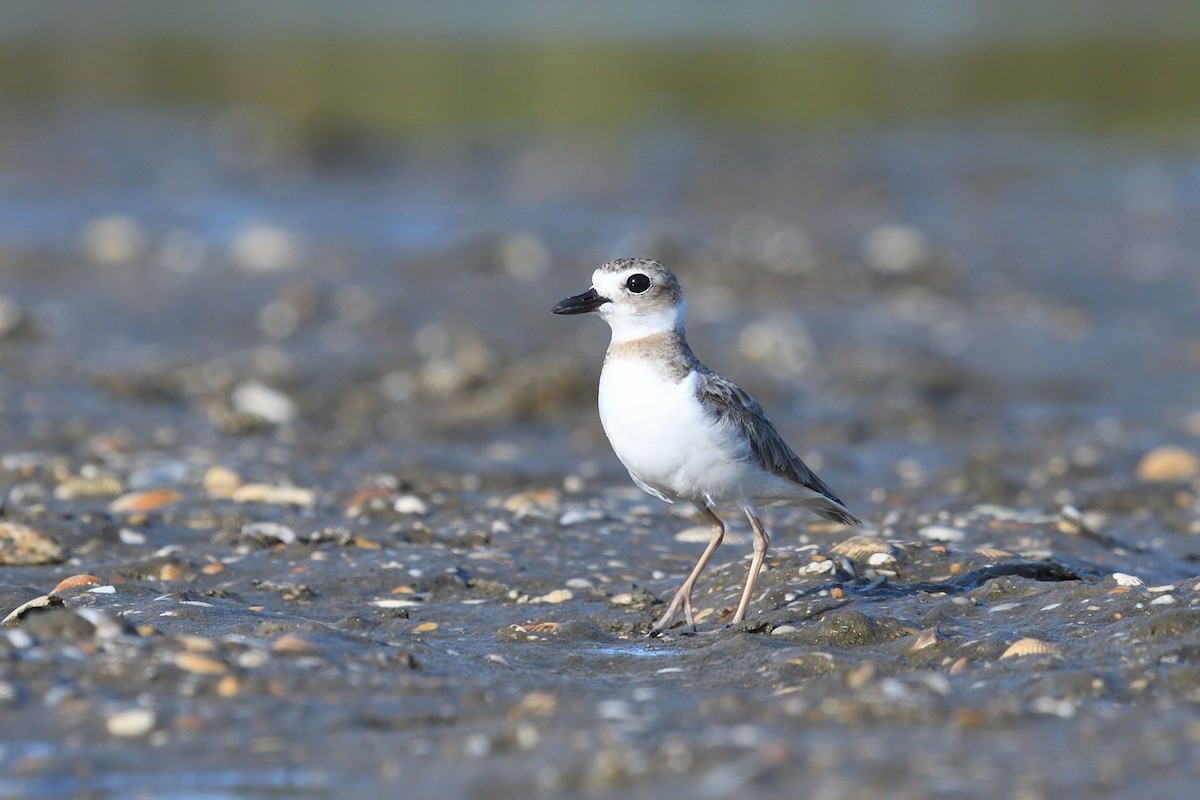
<point x="629" y="324"/>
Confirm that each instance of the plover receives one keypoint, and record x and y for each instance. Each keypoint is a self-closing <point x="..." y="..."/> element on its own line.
<point x="683" y="431"/>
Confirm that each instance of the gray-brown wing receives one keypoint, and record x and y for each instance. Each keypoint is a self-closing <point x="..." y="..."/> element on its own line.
<point x="735" y="409"/>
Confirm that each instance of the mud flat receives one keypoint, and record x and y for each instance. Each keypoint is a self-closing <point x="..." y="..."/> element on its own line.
<point x="311" y="499"/>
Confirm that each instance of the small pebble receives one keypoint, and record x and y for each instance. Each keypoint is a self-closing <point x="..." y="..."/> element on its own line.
<point x="615" y="710"/>
<point x="131" y="536"/>
<point x="538" y="703"/>
<point x="197" y="644"/>
<point x="292" y="644"/>
<point x="556" y="596"/>
<point x="895" y="249"/>
<point x="114" y="239"/>
<point x="1163" y="600"/>
<point x="199" y="664"/>
<point x="262" y="247"/>
<point x="229" y="686"/>
<point x="1168" y="464"/>
<point x="131" y="723"/>
<point x="253" y="659"/>
<point x="221" y="481"/>
<point x="525" y="502"/>
<point x="524" y="256"/>
<point x="260" y="400"/>
<point x="410" y="504"/>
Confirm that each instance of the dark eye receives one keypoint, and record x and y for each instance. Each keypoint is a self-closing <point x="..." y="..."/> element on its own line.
<point x="637" y="283"/>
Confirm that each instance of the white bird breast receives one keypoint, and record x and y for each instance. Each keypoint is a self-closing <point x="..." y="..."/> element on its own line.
<point x="660" y="432"/>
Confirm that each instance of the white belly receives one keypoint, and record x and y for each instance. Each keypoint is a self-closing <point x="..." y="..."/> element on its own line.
<point x="661" y="434"/>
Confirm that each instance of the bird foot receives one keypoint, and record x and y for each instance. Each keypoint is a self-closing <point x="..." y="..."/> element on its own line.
<point x="681" y="602"/>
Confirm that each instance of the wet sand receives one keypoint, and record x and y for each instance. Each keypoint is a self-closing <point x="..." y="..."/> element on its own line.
<point x="325" y="483"/>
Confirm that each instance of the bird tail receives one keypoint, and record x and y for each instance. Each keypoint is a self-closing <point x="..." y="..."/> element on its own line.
<point x="832" y="508"/>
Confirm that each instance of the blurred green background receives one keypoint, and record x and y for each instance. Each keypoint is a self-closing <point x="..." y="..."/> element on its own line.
<point x="421" y="69"/>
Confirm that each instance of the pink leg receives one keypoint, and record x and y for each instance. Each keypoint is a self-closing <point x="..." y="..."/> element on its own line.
<point x="683" y="598"/>
<point x="761" y="542"/>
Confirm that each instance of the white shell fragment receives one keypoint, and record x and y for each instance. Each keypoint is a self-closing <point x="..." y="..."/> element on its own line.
<point x="556" y="596"/>
<point x="393" y="602"/>
<point x="131" y="722"/>
<point x="44" y="601"/>
<point x="817" y="568"/>
<point x="574" y="516"/>
<point x="942" y="533"/>
<point x="269" y="531"/>
<point x="879" y="559"/>
<point x="410" y="504"/>
<point x="926" y="638"/>
<point x="1123" y="579"/>
<point x="260" y="400"/>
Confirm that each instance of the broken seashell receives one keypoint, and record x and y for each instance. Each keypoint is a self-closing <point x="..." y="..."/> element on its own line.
<point x="859" y="547"/>
<point x="942" y="533"/>
<point x="992" y="552"/>
<point x="37" y="603"/>
<point x="82" y="579"/>
<point x="818" y="568"/>
<point x="1029" y="647"/>
<point x="274" y="495"/>
<point x="147" y="500"/>
<point x="77" y="486"/>
<point x="925" y="638"/>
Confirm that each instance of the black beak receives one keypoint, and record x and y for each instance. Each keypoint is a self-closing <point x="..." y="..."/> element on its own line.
<point x="581" y="303"/>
